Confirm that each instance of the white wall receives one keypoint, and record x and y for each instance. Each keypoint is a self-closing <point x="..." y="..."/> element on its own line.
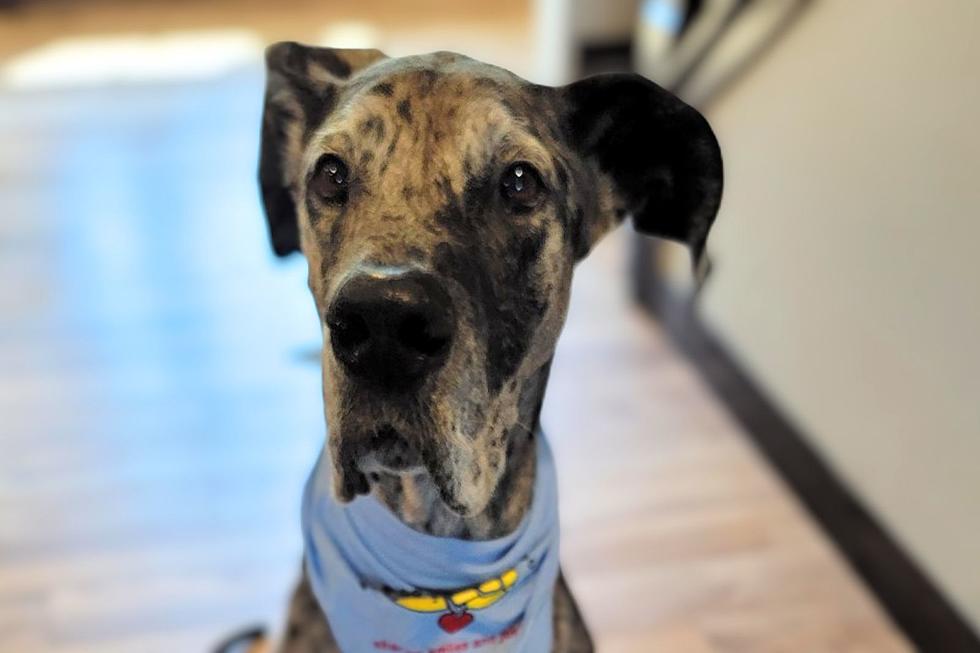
<point x="848" y="258"/>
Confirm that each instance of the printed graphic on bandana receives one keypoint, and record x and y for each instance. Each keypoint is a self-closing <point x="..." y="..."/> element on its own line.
<point x="456" y="607"/>
<point x="480" y="644"/>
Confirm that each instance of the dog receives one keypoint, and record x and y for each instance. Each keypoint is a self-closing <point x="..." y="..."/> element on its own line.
<point x="441" y="204"/>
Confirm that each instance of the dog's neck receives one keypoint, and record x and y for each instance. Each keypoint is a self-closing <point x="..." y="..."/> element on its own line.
<point x="416" y="501"/>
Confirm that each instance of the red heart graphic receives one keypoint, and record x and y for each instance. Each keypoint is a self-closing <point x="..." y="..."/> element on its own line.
<point x="452" y="623"/>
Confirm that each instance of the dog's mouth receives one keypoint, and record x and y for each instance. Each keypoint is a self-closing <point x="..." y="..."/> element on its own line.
<point x="388" y="450"/>
<point x="364" y="454"/>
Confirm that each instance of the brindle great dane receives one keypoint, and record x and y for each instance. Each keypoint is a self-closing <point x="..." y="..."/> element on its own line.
<point x="442" y="204"/>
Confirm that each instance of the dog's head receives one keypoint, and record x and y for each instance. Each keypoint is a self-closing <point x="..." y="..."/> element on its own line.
<point x="442" y="204"/>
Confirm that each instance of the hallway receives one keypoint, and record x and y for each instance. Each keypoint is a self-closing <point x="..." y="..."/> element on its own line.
<point x="160" y="409"/>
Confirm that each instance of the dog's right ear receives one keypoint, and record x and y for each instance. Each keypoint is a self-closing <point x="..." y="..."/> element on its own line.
<point x="301" y="88"/>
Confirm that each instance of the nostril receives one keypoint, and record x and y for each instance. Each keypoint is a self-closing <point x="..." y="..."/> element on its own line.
<point x="349" y="331"/>
<point x="422" y="334"/>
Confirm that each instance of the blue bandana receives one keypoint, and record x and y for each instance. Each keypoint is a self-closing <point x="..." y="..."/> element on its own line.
<point x="387" y="587"/>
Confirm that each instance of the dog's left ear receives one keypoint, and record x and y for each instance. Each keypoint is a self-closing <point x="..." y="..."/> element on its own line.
<point x="301" y="88"/>
<point x="658" y="153"/>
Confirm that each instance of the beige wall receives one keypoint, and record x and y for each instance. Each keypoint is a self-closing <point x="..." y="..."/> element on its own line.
<point x="848" y="257"/>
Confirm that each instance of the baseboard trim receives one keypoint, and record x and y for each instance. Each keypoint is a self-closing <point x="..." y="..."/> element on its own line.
<point x="911" y="598"/>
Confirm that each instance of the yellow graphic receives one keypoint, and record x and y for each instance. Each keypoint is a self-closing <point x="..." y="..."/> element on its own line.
<point x="472" y="598"/>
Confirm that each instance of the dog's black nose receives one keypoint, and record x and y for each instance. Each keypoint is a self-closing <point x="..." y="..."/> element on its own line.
<point x="393" y="330"/>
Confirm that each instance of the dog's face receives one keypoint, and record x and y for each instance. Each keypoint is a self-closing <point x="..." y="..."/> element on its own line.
<point x="441" y="204"/>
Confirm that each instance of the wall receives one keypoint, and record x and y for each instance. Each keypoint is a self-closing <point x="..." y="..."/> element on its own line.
<point x="848" y="258"/>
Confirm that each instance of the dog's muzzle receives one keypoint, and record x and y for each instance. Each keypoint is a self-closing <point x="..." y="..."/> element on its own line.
<point x="391" y="330"/>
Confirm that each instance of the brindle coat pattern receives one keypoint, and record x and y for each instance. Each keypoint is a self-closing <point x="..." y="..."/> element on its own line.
<point x="425" y="140"/>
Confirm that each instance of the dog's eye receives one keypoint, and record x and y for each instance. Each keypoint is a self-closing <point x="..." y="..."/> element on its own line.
<point x="521" y="186"/>
<point x="330" y="179"/>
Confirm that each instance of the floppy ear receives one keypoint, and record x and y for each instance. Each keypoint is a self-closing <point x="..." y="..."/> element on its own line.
<point x="659" y="154"/>
<point x="301" y="88"/>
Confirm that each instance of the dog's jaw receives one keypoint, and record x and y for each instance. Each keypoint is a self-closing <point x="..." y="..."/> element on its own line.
<point x="417" y="501"/>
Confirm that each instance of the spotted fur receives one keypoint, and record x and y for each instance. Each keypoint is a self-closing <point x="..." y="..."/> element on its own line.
<point x="426" y="140"/>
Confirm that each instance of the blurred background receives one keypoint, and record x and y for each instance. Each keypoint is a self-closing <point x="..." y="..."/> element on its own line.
<point x="789" y="464"/>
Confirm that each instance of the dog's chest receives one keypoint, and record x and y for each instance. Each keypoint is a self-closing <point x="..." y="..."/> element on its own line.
<point x="386" y="587"/>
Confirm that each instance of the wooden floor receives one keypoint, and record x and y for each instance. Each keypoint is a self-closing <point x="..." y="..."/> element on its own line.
<point x="159" y="410"/>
